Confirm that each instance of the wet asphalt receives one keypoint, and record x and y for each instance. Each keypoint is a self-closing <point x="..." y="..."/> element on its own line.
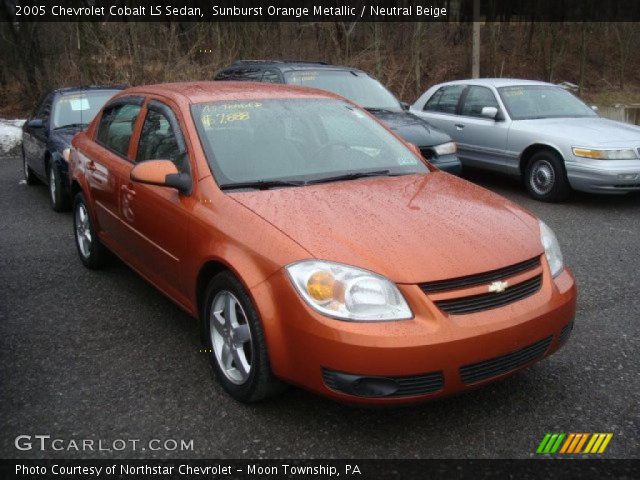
<point x="102" y="355"/>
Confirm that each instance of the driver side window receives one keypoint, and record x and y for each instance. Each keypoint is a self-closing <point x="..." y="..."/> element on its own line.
<point x="158" y="141"/>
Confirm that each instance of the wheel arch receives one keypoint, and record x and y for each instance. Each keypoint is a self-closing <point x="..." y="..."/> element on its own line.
<point x="534" y="148"/>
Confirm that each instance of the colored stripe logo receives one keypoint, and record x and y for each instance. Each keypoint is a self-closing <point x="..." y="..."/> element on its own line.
<point x="574" y="443"/>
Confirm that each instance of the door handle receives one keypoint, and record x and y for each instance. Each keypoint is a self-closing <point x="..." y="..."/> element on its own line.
<point x="129" y="191"/>
<point x="459" y="126"/>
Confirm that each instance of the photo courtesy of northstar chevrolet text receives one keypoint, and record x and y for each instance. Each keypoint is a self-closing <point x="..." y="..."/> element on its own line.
<point x="308" y="239"/>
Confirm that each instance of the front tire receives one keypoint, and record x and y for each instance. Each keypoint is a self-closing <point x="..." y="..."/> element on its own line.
<point x="546" y="178"/>
<point x="91" y="251"/>
<point x="235" y="339"/>
<point x="57" y="198"/>
<point x="29" y="177"/>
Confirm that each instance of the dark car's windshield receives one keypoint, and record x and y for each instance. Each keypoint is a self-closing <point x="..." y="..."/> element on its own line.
<point x="300" y="140"/>
<point x="358" y="87"/>
<point x="542" y="101"/>
<point x="79" y="108"/>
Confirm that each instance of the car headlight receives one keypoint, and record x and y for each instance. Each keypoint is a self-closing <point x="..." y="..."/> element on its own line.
<point x="619" y="154"/>
<point x="348" y="293"/>
<point x="446" y="148"/>
<point x="551" y="249"/>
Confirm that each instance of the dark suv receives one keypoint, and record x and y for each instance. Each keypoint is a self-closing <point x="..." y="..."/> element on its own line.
<point x="47" y="135"/>
<point x="359" y="87"/>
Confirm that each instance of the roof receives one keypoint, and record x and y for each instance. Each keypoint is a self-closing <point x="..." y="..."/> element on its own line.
<point x="498" y="82"/>
<point x="199" y="92"/>
<point x="287" y="65"/>
<point x="84" y="88"/>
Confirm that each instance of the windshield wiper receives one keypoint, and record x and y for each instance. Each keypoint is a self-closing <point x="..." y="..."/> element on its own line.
<point x="72" y="125"/>
<point x="262" y="184"/>
<point x="379" y="110"/>
<point x="351" y="176"/>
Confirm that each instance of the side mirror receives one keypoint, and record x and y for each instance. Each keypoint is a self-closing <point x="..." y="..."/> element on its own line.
<point x="162" y="173"/>
<point x="404" y="105"/>
<point x="35" y="123"/>
<point x="594" y="108"/>
<point x="489" y="112"/>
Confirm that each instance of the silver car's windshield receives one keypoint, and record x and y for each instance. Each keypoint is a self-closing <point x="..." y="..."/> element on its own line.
<point x="79" y="108"/>
<point x="542" y="101"/>
<point x="297" y="140"/>
<point x="358" y="87"/>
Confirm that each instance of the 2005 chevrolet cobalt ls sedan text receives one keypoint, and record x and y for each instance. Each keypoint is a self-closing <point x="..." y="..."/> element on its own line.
<point x="316" y="247"/>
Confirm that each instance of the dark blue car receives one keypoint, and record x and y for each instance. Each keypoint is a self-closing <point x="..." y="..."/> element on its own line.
<point x="361" y="88"/>
<point x="48" y="133"/>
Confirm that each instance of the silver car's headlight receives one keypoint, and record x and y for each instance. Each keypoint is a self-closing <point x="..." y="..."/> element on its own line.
<point x="617" y="154"/>
<point x="551" y="249"/>
<point x="348" y="293"/>
<point x="446" y="148"/>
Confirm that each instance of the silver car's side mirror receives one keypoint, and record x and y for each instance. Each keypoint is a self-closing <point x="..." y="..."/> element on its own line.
<point x="489" y="112"/>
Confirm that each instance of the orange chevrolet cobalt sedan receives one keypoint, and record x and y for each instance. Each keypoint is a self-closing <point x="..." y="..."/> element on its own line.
<point x="314" y="245"/>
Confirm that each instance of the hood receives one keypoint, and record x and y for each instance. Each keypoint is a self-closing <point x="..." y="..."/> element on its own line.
<point x="62" y="137"/>
<point x="412" y="128"/>
<point x="586" y="132"/>
<point x="412" y="228"/>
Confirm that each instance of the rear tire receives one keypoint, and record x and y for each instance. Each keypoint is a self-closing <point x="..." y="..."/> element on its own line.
<point x="546" y="177"/>
<point x="29" y="177"/>
<point x="57" y="198"/>
<point x="235" y="339"/>
<point x="90" y="250"/>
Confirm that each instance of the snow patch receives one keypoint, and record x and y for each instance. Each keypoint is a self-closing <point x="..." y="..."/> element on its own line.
<point x="10" y="136"/>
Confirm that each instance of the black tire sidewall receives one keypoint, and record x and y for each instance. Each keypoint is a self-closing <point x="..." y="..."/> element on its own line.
<point x="58" y="204"/>
<point x="26" y="171"/>
<point x="561" y="189"/>
<point x="256" y="386"/>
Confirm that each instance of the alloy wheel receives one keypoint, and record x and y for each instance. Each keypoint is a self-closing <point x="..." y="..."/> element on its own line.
<point x="231" y="337"/>
<point x="83" y="230"/>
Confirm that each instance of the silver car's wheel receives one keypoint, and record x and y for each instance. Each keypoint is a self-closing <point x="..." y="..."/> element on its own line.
<point x="231" y="337"/>
<point x="83" y="231"/>
<point x="542" y="177"/>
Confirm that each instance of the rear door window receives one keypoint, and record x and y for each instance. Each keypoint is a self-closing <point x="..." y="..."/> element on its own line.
<point x="116" y="127"/>
<point x="445" y="100"/>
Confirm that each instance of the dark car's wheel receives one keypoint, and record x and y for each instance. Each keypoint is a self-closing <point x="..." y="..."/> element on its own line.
<point x="29" y="177"/>
<point x="233" y="333"/>
<point x="546" y="178"/>
<point x="57" y="198"/>
<point x="92" y="253"/>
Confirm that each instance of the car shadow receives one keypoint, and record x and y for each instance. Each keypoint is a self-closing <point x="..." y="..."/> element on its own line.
<point x="513" y="188"/>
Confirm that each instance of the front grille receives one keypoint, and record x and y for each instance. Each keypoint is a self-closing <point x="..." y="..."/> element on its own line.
<point x="481" y="278"/>
<point x="566" y="333"/>
<point x="406" y="385"/>
<point x="427" y="153"/>
<point x="493" y="367"/>
<point x="485" y="301"/>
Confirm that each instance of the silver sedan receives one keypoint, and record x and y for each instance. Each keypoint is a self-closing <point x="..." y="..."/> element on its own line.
<point x="538" y="131"/>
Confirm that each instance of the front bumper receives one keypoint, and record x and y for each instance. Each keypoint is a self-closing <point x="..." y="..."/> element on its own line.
<point x="308" y="349"/>
<point x="604" y="176"/>
<point x="448" y="163"/>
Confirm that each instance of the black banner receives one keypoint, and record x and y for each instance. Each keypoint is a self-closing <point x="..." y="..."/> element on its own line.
<point x="320" y="10"/>
<point x="319" y="469"/>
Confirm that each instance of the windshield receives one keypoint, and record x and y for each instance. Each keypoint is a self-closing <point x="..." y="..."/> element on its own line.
<point x="297" y="139"/>
<point x="542" y="101"/>
<point x="358" y="87"/>
<point x="79" y="108"/>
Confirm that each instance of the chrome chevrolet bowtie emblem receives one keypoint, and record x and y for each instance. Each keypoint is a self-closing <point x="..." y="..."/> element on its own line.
<point x="497" y="287"/>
